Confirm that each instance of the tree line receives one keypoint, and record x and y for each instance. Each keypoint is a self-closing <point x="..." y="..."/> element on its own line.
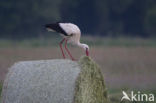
<point x="26" y="18"/>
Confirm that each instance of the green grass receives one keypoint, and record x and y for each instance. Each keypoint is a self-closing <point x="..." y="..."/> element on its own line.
<point x="115" y="95"/>
<point x="0" y="91"/>
<point x="125" y="42"/>
<point x="94" y="41"/>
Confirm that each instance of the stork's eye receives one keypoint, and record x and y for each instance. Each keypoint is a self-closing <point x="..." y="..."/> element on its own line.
<point x="87" y="49"/>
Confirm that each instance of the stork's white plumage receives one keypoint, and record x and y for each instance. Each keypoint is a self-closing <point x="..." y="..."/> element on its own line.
<point x="71" y="34"/>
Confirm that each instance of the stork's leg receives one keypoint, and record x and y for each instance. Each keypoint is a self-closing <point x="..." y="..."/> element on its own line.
<point x="68" y="51"/>
<point x="62" y="48"/>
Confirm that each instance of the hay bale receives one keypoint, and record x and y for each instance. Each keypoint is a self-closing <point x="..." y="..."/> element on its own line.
<point x="54" y="81"/>
<point x="90" y="87"/>
<point x="45" y="81"/>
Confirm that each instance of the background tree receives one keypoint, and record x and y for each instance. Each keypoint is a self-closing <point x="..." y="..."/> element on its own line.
<point x="26" y="18"/>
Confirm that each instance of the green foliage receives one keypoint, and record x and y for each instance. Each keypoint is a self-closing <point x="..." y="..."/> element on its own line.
<point x="26" y="18"/>
<point x="151" y="21"/>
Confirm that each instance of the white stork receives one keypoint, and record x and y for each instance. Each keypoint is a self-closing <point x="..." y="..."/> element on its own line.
<point x="70" y="33"/>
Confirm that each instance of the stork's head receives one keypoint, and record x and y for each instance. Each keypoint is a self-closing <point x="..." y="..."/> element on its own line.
<point x="87" y="50"/>
<point x="85" y="47"/>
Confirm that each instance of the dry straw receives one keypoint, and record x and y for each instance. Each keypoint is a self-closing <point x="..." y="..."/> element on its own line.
<point x="90" y="87"/>
<point x="55" y="81"/>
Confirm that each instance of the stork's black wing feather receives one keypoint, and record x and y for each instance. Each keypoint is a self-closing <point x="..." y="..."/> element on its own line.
<point x="56" y="27"/>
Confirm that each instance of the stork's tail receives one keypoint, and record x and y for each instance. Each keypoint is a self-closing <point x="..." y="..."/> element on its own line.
<point x="55" y="27"/>
<point x="51" y="27"/>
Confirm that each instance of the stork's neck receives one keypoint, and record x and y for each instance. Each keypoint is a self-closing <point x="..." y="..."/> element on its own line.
<point x="81" y="45"/>
<point x="85" y="47"/>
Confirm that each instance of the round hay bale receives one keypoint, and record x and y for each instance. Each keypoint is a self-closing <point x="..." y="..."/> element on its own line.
<point x="90" y="86"/>
<point x="54" y="81"/>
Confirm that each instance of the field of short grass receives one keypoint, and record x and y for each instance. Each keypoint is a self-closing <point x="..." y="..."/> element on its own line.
<point x="127" y="64"/>
<point x="92" y="41"/>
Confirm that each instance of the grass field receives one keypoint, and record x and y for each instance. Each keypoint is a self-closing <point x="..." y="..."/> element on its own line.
<point x="93" y="41"/>
<point x="127" y="64"/>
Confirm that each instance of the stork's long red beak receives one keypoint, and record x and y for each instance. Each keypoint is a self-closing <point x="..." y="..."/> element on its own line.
<point x="87" y="52"/>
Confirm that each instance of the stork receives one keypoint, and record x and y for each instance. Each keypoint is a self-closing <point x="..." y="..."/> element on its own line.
<point x="70" y="33"/>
